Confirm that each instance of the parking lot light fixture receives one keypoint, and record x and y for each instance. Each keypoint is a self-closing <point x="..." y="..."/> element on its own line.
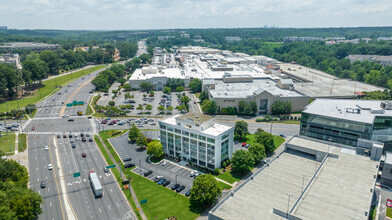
<point x="140" y="168"/>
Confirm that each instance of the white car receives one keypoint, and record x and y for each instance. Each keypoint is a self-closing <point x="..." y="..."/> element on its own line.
<point x="65" y="116"/>
<point x="164" y="163"/>
<point x="50" y="167"/>
<point x="46" y="148"/>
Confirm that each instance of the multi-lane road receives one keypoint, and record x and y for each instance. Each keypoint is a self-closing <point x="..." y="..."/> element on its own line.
<point x="65" y="196"/>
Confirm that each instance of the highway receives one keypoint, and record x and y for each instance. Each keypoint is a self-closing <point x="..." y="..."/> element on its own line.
<point x="67" y="197"/>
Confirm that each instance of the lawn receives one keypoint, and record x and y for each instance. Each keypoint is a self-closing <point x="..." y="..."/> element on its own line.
<point x="7" y="143"/>
<point x="389" y="212"/>
<point x="223" y="186"/>
<point x="295" y="122"/>
<point x="22" y="143"/>
<point x="230" y="177"/>
<point x="273" y="45"/>
<point x="161" y="201"/>
<point x="277" y="140"/>
<point x="49" y="87"/>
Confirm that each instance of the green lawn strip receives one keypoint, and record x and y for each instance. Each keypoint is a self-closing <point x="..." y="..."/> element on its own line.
<point x="161" y="201"/>
<point x="373" y="211"/>
<point x="49" y="87"/>
<point x="7" y="143"/>
<point x="197" y="94"/>
<point x="89" y="110"/>
<point x="230" y="177"/>
<point x="33" y="113"/>
<point x="223" y="186"/>
<point x="294" y="122"/>
<point x="117" y="175"/>
<point x="22" y="143"/>
<point x="389" y="212"/>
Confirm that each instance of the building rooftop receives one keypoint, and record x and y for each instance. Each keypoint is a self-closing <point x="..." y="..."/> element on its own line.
<point x="195" y="117"/>
<point x="388" y="158"/>
<point x="245" y="89"/>
<point x="339" y="187"/>
<point x="353" y="110"/>
<point x="27" y="44"/>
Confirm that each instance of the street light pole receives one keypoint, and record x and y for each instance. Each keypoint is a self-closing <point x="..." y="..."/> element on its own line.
<point x="176" y="182"/>
<point x="140" y="168"/>
<point x="288" y="204"/>
<point x="303" y="180"/>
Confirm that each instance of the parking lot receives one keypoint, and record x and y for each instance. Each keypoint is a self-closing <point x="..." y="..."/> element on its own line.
<point x="155" y="101"/>
<point x="170" y="171"/>
<point x="142" y="123"/>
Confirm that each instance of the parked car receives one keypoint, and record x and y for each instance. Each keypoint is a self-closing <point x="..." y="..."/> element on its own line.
<point x="46" y="148"/>
<point x="87" y="135"/>
<point x="188" y="193"/>
<point x="175" y="186"/>
<point x="106" y="170"/>
<point x="32" y="128"/>
<point x="83" y="139"/>
<point x="127" y="165"/>
<point x="127" y="159"/>
<point x="160" y="182"/>
<point x="164" y="163"/>
<point x="282" y="135"/>
<point x="81" y="135"/>
<point x="243" y="144"/>
<point x="58" y="136"/>
<point x="179" y="189"/>
<point x="158" y="178"/>
<point x="247" y="145"/>
<point x="389" y="203"/>
<point x="71" y="119"/>
<point x="64" y="136"/>
<point x="147" y="173"/>
<point x="166" y="183"/>
<point x="70" y="135"/>
<point x="90" y="139"/>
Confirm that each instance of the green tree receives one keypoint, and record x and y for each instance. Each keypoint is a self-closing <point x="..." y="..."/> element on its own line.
<point x="145" y="86"/>
<point x="240" y="130"/>
<point x="258" y="152"/>
<point x="151" y="93"/>
<point x="161" y="108"/>
<point x="281" y="108"/>
<point x="203" y="96"/>
<point x="133" y="132"/>
<point x="140" y="107"/>
<point x="195" y="85"/>
<point x="148" y="107"/>
<point x="267" y="140"/>
<point x="185" y="100"/>
<point x="241" y="107"/>
<point x="242" y="161"/>
<point x="127" y="87"/>
<point x="169" y="109"/>
<point x="174" y="83"/>
<point x="155" y="149"/>
<point x="51" y="59"/>
<point x="208" y="107"/>
<point x="112" y="103"/>
<point x="127" y="96"/>
<point x="180" y="89"/>
<point x="166" y="90"/>
<point x="205" y="191"/>
<point x="141" y="140"/>
<point x="121" y="80"/>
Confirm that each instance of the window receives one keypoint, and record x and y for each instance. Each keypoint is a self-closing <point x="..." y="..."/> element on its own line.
<point x="185" y="133"/>
<point x="194" y="135"/>
<point x="178" y="131"/>
<point x="202" y="138"/>
<point x="224" y="150"/>
<point x="162" y="126"/>
<point x="211" y="140"/>
<point x="224" y="136"/>
<point x="169" y="128"/>
<point x="179" y="124"/>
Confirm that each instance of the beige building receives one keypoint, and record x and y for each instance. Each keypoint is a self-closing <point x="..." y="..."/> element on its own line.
<point x="229" y="91"/>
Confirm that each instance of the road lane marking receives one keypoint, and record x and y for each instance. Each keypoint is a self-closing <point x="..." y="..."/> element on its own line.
<point x="109" y="207"/>
<point x="100" y="210"/>
<point x="118" y="205"/>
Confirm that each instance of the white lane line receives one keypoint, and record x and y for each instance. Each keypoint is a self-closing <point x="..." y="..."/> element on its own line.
<point x="50" y="203"/>
<point x="109" y="207"/>
<point x="111" y="190"/>
<point x="100" y="210"/>
<point x="118" y="205"/>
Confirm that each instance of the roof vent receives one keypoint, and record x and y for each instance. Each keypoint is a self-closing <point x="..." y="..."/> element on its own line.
<point x="377" y="111"/>
<point x="386" y="105"/>
<point x="196" y="116"/>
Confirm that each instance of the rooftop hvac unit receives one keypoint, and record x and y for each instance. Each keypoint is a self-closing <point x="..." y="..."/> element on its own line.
<point x="386" y="105"/>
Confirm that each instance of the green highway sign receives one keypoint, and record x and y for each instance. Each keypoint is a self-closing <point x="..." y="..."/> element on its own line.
<point x="76" y="174"/>
<point x="143" y="201"/>
<point x="81" y="103"/>
<point x="75" y="103"/>
<point x="111" y="166"/>
<point x="69" y="104"/>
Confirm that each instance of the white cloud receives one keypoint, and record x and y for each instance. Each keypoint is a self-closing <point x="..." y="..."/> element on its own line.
<point x="147" y="14"/>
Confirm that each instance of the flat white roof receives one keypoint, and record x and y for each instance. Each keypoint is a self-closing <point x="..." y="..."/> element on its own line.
<point x="340" y="190"/>
<point x="243" y="90"/>
<point x="214" y="130"/>
<point x="166" y="72"/>
<point x="340" y="109"/>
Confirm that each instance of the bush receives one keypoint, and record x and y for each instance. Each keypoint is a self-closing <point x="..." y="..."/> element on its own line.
<point x="295" y="118"/>
<point x="224" y="164"/>
<point x="216" y="171"/>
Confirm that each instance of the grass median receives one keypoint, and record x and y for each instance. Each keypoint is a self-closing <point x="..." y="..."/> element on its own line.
<point x="22" y="142"/>
<point x="49" y="87"/>
<point x="7" y="143"/>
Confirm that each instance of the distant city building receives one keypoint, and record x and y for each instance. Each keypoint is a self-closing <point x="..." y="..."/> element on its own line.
<point x="264" y="92"/>
<point x="186" y="35"/>
<point x="384" y="38"/>
<point x="310" y="179"/>
<point x="302" y="39"/>
<point x="11" y="59"/>
<point x="3" y="27"/>
<point x="165" y="37"/>
<point x="232" y="39"/>
<point x="87" y="49"/>
<point x="8" y="47"/>
<point x="197" y="138"/>
<point x="383" y="60"/>
<point x="121" y="38"/>
<point x="346" y="121"/>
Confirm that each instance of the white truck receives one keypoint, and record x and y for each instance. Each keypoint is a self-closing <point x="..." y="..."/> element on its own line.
<point x="95" y="184"/>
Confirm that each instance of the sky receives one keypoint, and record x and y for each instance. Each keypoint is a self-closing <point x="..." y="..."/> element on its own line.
<point x="169" y="14"/>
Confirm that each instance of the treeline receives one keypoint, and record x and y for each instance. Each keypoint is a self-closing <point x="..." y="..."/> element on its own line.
<point x="16" y="200"/>
<point x="106" y="78"/>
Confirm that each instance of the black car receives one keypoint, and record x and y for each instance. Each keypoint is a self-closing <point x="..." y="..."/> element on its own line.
<point x="106" y="170"/>
<point x="175" y="186"/>
<point x="89" y="117"/>
<point x="188" y="193"/>
<point x="179" y="189"/>
<point x="87" y="135"/>
<point x="81" y="135"/>
<point x="71" y="119"/>
<point x="43" y="184"/>
<point x="73" y="145"/>
<point x="90" y="139"/>
<point x="147" y="173"/>
<point x="58" y="136"/>
<point x="70" y="135"/>
<point x="83" y="139"/>
<point x="160" y="182"/>
<point x="166" y="183"/>
<point x="127" y="165"/>
<point x="158" y="178"/>
<point x="127" y="159"/>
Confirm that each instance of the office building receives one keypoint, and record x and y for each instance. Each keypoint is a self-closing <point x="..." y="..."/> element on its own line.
<point x="197" y="138"/>
<point x="8" y="47"/>
<point x="11" y="59"/>
<point x="382" y="60"/>
<point x="346" y="121"/>
<point x="232" y="38"/>
<point x="310" y="179"/>
<point x="3" y="28"/>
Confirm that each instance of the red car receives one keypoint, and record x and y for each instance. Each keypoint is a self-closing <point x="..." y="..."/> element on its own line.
<point x="104" y="122"/>
<point x="64" y="136"/>
<point x="84" y="155"/>
<point x="33" y="128"/>
<point x="243" y="144"/>
<point x="113" y="122"/>
<point x="389" y="203"/>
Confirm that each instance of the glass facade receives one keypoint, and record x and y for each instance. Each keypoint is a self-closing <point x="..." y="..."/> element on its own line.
<point x="344" y="131"/>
